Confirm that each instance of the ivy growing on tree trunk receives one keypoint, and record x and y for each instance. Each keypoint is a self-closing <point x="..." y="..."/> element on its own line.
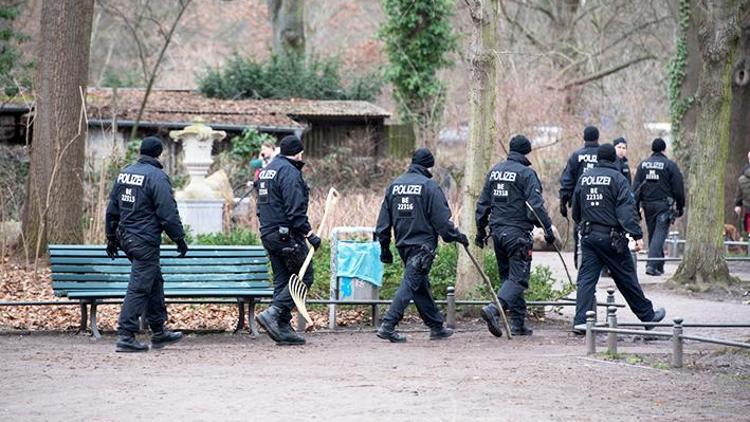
<point x="418" y="37"/>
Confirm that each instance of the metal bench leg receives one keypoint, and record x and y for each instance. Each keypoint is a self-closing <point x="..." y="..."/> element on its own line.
<point x="94" y="328"/>
<point x="251" y="317"/>
<point x="84" y="318"/>
<point x="240" y="314"/>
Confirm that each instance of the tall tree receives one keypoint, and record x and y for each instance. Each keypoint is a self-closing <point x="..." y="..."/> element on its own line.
<point x="702" y="76"/>
<point x="418" y="37"/>
<point x="288" y="22"/>
<point x="482" y="129"/>
<point x="54" y="208"/>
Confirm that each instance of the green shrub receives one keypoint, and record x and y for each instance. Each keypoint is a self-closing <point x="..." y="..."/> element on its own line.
<point x="236" y="237"/>
<point x="286" y="76"/>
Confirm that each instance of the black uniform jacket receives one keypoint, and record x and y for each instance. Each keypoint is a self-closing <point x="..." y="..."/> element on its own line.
<point x="415" y="209"/>
<point x="507" y="188"/>
<point x="657" y="179"/>
<point x="579" y="162"/>
<point x="602" y="196"/>
<point x="283" y="197"/>
<point x="624" y="166"/>
<point x="141" y="204"/>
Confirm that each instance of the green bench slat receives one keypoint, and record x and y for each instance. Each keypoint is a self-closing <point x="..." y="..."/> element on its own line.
<point x="178" y="293"/>
<point x="164" y="261"/>
<point x="195" y="285"/>
<point x="121" y="269"/>
<point x="167" y="277"/>
<point x="166" y="254"/>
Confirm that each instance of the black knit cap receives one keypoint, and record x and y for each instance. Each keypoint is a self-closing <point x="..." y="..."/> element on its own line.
<point x="619" y="141"/>
<point x="291" y="145"/>
<point x="606" y="152"/>
<point x="591" y="134"/>
<point x="423" y="157"/>
<point x="151" y="146"/>
<point x="520" y="144"/>
<point x="658" y="145"/>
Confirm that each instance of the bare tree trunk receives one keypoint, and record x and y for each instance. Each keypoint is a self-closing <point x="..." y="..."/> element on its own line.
<point x="54" y="209"/>
<point x="288" y="21"/>
<point x="713" y="27"/>
<point x="740" y="144"/>
<point x="482" y="129"/>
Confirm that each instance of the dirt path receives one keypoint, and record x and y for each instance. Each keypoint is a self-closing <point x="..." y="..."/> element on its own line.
<point x="354" y="376"/>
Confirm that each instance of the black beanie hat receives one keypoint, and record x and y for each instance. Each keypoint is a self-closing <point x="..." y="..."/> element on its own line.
<point x="423" y="157"/>
<point x="591" y="134"/>
<point x="606" y="152"/>
<point x="619" y="141"/>
<point x="291" y="145"/>
<point x="151" y="146"/>
<point x="658" y="145"/>
<point x="520" y="144"/>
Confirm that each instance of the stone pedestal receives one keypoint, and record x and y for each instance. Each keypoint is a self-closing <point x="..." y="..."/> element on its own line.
<point x="200" y="206"/>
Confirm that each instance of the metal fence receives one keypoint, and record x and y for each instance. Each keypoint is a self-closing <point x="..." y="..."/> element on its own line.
<point x="677" y="335"/>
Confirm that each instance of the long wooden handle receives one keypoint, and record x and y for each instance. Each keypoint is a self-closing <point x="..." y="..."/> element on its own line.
<point x="495" y="300"/>
<point x="331" y="200"/>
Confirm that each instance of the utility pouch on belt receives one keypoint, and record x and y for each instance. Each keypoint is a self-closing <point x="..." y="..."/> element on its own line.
<point x="618" y="241"/>
<point x="284" y="234"/>
<point x="585" y="228"/>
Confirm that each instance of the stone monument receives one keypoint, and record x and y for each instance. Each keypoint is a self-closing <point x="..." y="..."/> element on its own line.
<point x="201" y="208"/>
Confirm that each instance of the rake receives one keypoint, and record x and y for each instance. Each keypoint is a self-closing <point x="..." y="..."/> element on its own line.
<point x="297" y="288"/>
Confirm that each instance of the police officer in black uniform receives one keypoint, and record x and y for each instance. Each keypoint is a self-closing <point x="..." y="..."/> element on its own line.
<point x="508" y="188"/>
<point x="283" y="198"/>
<point x="621" y="148"/>
<point x="141" y="206"/>
<point x="579" y="162"/>
<point x="603" y="206"/>
<point x="660" y="191"/>
<point x="415" y="209"/>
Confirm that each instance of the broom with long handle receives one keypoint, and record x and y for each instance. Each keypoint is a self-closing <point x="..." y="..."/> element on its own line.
<point x="297" y="287"/>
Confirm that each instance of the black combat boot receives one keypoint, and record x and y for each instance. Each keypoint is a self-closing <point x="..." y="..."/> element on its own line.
<point x="269" y="320"/>
<point x="490" y="316"/>
<point x="287" y="336"/>
<point x="440" y="333"/>
<point x="519" y="328"/>
<point x="128" y="344"/>
<point x="390" y="334"/>
<point x="163" y="338"/>
<point x="659" y="315"/>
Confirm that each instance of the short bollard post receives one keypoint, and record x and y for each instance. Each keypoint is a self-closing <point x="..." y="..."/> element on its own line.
<point x="612" y="323"/>
<point x="590" y="337"/>
<point x="610" y="296"/>
<point x="450" y="298"/>
<point x="677" y="343"/>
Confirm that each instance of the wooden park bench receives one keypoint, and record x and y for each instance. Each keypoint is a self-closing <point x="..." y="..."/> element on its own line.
<point x="86" y="274"/>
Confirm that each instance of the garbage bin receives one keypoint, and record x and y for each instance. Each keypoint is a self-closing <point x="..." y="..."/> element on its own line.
<point x="356" y="270"/>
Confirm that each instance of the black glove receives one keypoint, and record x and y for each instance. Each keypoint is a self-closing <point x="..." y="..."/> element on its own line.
<point x="182" y="248"/>
<point x="314" y="240"/>
<point x="386" y="257"/>
<point x="680" y="211"/>
<point x="112" y="248"/>
<point x="564" y="207"/>
<point x="481" y="239"/>
<point x="462" y="239"/>
<point x="549" y="236"/>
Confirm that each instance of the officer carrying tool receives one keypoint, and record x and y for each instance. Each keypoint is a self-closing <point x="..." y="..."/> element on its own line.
<point x="495" y="299"/>
<point x="297" y="287"/>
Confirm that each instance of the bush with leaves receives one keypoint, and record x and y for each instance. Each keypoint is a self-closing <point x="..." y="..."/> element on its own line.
<point x="286" y="76"/>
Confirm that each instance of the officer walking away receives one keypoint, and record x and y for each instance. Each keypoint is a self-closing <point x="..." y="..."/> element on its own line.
<point x="621" y="148"/>
<point x="579" y="162"/>
<point x="742" y="201"/>
<point x="659" y="190"/>
<point x="283" y="198"/>
<point x="415" y="209"/>
<point x="508" y="187"/>
<point x="141" y="206"/>
<point x="603" y="207"/>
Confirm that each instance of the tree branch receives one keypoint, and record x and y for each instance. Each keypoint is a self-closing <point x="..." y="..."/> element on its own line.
<point x="604" y="73"/>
